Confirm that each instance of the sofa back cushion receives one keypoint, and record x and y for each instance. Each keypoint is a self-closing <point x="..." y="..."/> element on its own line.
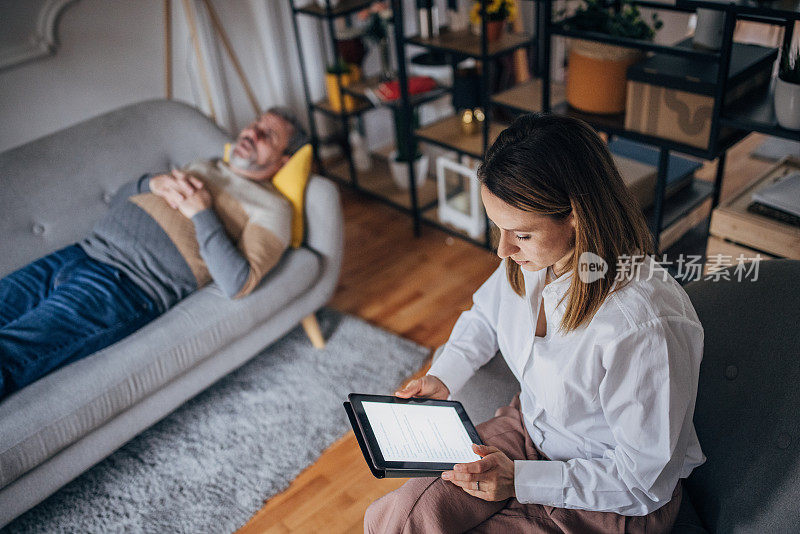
<point x="748" y="401"/>
<point x="56" y="187"/>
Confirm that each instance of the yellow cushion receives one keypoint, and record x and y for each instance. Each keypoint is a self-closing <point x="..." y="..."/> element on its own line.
<point x="291" y="180"/>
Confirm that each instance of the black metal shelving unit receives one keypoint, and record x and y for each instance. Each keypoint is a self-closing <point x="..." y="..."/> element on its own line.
<point x="729" y="125"/>
<point x="446" y="133"/>
<point x="376" y="183"/>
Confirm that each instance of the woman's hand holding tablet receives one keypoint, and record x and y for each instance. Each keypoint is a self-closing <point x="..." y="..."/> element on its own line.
<point x="491" y="478"/>
<point x="428" y="387"/>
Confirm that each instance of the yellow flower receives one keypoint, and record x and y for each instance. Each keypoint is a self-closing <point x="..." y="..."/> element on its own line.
<point x="475" y="13"/>
<point x="494" y="6"/>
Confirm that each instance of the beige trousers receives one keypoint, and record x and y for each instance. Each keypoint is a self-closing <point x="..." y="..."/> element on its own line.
<point x="436" y="506"/>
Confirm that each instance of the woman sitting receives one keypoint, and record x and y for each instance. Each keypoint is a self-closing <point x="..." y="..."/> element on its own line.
<point x="604" y="342"/>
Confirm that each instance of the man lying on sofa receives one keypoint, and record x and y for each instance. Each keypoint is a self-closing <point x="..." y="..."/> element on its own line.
<point x="163" y="237"/>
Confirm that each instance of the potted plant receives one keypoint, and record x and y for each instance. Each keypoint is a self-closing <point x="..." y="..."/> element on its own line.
<point x="399" y="158"/>
<point x="348" y="74"/>
<point x="787" y="89"/>
<point x="378" y="17"/>
<point x="596" y="79"/>
<point x="498" y="12"/>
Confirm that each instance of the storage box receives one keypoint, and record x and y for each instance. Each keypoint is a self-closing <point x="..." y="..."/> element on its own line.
<point x="673" y="97"/>
<point x="736" y="230"/>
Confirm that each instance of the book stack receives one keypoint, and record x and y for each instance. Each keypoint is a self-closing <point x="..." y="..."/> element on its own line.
<point x="780" y="200"/>
<point x="638" y="165"/>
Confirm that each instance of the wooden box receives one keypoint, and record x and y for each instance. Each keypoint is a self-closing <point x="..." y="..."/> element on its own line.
<point x="672" y="97"/>
<point x="735" y="231"/>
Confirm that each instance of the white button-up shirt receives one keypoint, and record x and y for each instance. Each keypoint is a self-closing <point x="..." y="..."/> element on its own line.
<point x="611" y="404"/>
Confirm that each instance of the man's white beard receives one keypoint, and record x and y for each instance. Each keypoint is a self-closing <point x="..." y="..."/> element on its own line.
<point x="245" y="164"/>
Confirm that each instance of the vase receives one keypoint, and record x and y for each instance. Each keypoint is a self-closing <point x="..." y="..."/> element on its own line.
<point x="494" y="30"/>
<point x="351" y="49"/>
<point x="399" y="170"/>
<point x="597" y="76"/>
<point x="335" y="95"/>
<point x="787" y="104"/>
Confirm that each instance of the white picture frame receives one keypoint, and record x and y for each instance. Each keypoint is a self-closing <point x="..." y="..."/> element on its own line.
<point x="473" y="222"/>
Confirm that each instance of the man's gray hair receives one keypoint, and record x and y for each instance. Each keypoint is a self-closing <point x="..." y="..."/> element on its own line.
<point x="298" y="137"/>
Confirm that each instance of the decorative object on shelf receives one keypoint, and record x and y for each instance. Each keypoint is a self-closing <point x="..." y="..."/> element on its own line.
<point x="390" y="91"/>
<point x="324" y="3"/>
<point x="498" y="12"/>
<point x="348" y="74"/>
<point x="787" y="89"/>
<point x="466" y="87"/>
<point x="596" y="81"/>
<point x="358" y="149"/>
<point x="672" y="97"/>
<point x="458" y="191"/>
<point x="399" y="158"/>
<point x="434" y="64"/>
<point x="472" y="121"/>
<point x="350" y="46"/>
<point x="379" y="17"/>
<point x="709" y="27"/>
<point x="457" y="20"/>
<point x="427" y="18"/>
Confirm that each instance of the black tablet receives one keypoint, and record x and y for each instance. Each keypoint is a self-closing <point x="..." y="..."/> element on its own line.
<point x="417" y="436"/>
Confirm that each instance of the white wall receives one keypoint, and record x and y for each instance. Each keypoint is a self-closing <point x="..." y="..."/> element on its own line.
<point x="111" y="53"/>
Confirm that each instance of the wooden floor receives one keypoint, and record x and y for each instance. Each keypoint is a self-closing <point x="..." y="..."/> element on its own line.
<point x="416" y="288"/>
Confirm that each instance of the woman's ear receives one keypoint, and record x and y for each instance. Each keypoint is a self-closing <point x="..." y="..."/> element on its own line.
<point x="571" y="219"/>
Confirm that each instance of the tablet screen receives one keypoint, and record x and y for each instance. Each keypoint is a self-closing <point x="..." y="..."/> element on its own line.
<point x="417" y="433"/>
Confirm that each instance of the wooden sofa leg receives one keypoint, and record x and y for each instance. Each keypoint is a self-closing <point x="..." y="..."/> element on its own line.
<point x="311" y="326"/>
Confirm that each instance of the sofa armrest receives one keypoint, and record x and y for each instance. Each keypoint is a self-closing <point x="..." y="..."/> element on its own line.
<point x="325" y="230"/>
<point x="324" y="224"/>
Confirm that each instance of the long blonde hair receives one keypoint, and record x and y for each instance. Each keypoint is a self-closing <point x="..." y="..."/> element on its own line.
<point x="555" y="165"/>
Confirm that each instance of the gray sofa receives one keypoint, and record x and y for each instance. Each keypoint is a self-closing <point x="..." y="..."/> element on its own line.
<point x="54" y="189"/>
<point x="747" y="409"/>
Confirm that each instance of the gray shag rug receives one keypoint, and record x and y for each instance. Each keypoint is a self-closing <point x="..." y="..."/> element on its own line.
<point x="209" y="466"/>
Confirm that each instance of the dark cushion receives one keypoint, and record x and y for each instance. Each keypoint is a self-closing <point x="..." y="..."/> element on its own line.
<point x="688" y="521"/>
<point x="748" y="401"/>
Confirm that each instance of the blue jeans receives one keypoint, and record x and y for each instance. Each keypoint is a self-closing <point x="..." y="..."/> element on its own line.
<point x="61" y="308"/>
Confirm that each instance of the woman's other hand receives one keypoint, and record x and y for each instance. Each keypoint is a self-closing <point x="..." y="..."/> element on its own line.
<point x="491" y="478"/>
<point x="428" y="387"/>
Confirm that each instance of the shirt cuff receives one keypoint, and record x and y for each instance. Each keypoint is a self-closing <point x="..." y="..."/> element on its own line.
<point x="206" y="223"/>
<point x="539" y="482"/>
<point x="451" y="369"/>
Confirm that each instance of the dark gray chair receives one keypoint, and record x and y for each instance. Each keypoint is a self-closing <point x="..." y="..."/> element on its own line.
<point x="748" y="404"/>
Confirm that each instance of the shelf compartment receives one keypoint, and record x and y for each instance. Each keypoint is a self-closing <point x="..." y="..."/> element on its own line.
<point x="447" y="134"/>
<point x="344" y="7"/>
<point x="756" y="112"/>
<point x="359" y="89"/>
<point x="615" y="125"/>
<point x="683" y="210"/>
<point x="786" y="9"/>
<point x="561" y="29"/>
<point x="527" y="96"/>
<point x="378" y="183"/>
<point x="465" y="43"/>
<point x="325" y="107"/>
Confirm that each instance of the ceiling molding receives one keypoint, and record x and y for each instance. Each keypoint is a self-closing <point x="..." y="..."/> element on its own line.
<point x="36" y="38"/>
